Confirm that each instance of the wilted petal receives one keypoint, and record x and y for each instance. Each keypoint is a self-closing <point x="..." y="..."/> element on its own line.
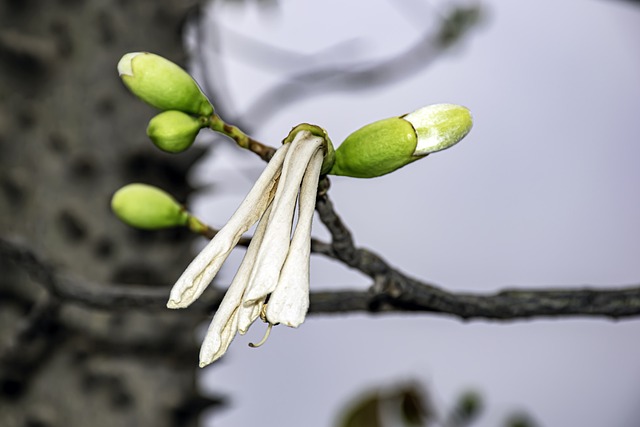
<point x="206" y="265"/>
<point x="218" y="338"/>
<point x="247" y="314"/>
<point x="271" y="257"/>
<point x="289" y="302"/>
<point x="224" y="325"/>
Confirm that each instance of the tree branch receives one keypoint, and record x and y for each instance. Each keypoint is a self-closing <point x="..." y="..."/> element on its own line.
<point x="394" y="291"/>
<point x="407" y="295"/>
<point x="391" y="292"/>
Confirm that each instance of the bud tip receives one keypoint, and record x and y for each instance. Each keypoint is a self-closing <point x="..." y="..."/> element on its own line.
<point x="124" y="65"/>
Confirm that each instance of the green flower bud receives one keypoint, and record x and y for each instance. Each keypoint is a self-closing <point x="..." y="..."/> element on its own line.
<point x="386" y="145"/>
<point x="162" y="84"/>
<point x="174" y="131"/>
<point x="148" y="207"/>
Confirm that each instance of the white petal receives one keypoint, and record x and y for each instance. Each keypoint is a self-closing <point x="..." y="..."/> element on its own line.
<point x="289" y="302"/>
<point x="247" y="314"/>
<point x="217" y="341"/>
<point x="224" y="325"/>
<point x="271" y="256"/>
<point x="206" y="265"/>
<point x="439" y="126"/>
<point x="124" y="65"/>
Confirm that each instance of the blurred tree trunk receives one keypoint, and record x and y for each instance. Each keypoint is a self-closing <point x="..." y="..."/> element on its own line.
<point x="70" y="135"/>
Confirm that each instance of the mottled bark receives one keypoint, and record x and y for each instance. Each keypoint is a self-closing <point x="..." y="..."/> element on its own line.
<point x="70" y="135"/>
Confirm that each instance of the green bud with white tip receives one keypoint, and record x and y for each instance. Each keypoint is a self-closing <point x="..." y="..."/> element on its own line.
<point x="174" y="131"/>
<point x="147" y="207"/>
<point x="386" y="145"/>
<point x="162" y="84"/>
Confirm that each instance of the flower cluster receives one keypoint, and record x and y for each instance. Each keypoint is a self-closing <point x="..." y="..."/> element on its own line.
<point x="272" y="281"/>
<point x="167" y="87"/>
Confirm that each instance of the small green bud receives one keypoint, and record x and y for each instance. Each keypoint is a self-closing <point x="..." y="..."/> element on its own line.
<point x="386" y="145"/>
<point x="329" y="152"/>
<point x="174" y="131"/>
<point x="162" y="84"/>
<point x="148" y="207"/>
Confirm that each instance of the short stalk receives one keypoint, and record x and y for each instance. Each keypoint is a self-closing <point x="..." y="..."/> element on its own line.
<point x="198" y="227"/>
<point x="242" y="139"/>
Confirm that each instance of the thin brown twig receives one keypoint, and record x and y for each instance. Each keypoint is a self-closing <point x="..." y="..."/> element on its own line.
<point x="391" y="292"/>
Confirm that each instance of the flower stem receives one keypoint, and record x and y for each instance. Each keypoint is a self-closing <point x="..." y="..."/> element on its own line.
<point x="242" y="139"/>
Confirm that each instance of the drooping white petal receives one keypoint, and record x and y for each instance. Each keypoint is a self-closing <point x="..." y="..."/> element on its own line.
<point x="289" y="302"/>
<point x="271" y="257"/>
<point x="247" y="314"/>
<point x="206" y="265"/>
<point x="224" y="325"/>
<point x="223" y="338"/>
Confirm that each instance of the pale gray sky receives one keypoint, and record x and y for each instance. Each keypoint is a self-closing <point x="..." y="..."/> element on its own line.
<point x="543" y="192"/>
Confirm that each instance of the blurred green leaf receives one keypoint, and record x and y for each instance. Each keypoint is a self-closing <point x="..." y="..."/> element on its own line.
<point x="405" y="405"/>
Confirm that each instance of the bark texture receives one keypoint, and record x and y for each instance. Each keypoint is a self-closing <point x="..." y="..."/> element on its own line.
<point x="70" y="135"/>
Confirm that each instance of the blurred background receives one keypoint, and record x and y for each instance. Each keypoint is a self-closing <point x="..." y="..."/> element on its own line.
<point x="542" y="193"/>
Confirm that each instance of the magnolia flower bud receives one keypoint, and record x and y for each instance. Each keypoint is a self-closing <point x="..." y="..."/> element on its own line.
<point x="386" y="145"/>
<point x="148" y="207"/>
<point x="162" y="84"/>
<point x="174" y="131"/>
